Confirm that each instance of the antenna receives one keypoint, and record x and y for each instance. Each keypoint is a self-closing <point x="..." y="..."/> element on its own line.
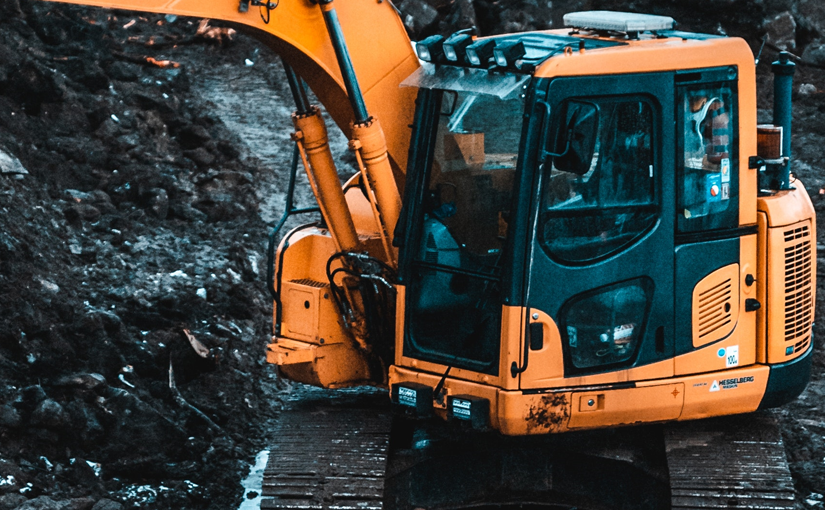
<point x="758" y="55"/>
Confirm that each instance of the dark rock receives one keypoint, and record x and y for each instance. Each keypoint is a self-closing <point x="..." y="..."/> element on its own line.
<point x="77" y="195"/>
<point x="33" y="85"/>
<point x="80" y="504"/>
<point x="102" y="201"/>
<point x="128" y="141"/>
<point x="9" y="417"/>
<point x="81" y="473"/>
<point x="101" y="320"/>
<point x="89" y="73"/>
<point x="463" y="15"/>
<point x="781" y="31"/>
<point x="8" y="245"/>
<point x="137" y="427"/>
<point x="107" y="504"/>
<point x="200" y="156"/>
<point x="108" y="128"/>
<point x="124" y="71"/>
<point x="10" y="164"/>
<point x="811" y="13"/>
<point x="158" y="203"/>
<point x="85" y="422"/>
<point x="10" y="8"/>
<point x="220" y="209"/>
<point x="31" y="396"/>
<point x="815" y="53"/>
<point x="97" y="115"/>
<point x="417" y="15"/>
<point x="82" y="381"/>
<point x="50" y="415"/>
<point x="185" y="211"/>
<point x="42" y="503"/>
<point x="228" y="149"/>
<point x="11" y="501"/>
<point x="81" y="211"/>
<point x="193" y="136"/>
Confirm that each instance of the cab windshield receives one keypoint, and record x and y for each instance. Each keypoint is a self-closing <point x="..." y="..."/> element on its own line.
<point x="454" y="301"/>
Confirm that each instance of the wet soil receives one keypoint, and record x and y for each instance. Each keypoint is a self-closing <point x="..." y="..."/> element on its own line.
<point x="137" y="238"/>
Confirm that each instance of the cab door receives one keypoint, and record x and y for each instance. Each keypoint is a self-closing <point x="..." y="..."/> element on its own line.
<point x="599" y="270"/>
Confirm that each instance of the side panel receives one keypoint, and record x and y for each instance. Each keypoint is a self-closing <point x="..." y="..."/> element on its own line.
<point x="695" y="263"/>
<point x="576" y="294"/>
<point x="638" y="405"/>
<point x="787" y="227"/>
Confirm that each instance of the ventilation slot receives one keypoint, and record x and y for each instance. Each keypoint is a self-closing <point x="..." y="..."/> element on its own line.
<point x="798" y="288"/>
<point x="715" y="308"/>
<point x="801" y="345"/>
<point x="431" y="254"/>
<point x="310" y="283"/>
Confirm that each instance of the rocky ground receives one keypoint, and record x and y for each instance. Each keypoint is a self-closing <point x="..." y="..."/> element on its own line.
<point x="139" y="176"/>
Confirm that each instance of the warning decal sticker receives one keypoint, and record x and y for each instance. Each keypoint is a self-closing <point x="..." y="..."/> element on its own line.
<point x="732" y="356"/>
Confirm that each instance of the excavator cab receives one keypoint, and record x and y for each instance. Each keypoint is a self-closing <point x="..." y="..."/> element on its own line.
<point x="583" y="242"/>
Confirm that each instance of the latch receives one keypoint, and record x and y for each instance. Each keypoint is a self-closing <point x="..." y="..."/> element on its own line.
<point x="243" y="6"/>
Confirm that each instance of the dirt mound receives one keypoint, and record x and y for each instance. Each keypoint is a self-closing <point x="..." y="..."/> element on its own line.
<point x="135" y="221"/>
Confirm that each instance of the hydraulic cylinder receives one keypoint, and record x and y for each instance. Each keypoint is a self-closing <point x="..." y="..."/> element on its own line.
<point x="312" y="134"/>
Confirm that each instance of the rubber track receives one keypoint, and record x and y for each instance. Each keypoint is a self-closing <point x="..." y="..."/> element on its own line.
<point x="731" y="462"/>
<point x="328" y="455"/>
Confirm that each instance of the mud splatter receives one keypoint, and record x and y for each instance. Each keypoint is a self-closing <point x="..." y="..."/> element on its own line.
<point x="550" y="414"/>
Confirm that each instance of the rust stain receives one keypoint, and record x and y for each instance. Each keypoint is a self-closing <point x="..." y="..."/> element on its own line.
<point x="550" y="414"/>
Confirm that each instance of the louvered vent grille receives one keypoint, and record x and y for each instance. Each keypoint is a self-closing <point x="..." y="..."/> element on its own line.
<point x="715" y="308"/>
<point x="431" y="256"/>
<point x="310" y="283"/>
<point x="798" y="289"/>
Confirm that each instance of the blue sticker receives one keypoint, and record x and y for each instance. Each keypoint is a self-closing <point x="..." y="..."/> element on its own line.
<point x="789" y="350"/>
<point x="721" y="352"/>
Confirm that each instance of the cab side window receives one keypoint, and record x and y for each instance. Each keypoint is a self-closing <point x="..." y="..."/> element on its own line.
<point x="709" y="170"/>
<point x="590" y="216"/>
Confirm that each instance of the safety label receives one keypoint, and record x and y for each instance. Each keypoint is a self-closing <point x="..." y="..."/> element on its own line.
<point x="732" y="356"/>
<point x="724" y="169"/>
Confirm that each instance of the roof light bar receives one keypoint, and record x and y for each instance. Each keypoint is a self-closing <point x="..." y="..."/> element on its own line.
<point x="506" y="54"/>
<point x="479" y="53"/>
<point x="431" y="48"/>
<point x="454" y="47"/>
<point x="618" y="21"/>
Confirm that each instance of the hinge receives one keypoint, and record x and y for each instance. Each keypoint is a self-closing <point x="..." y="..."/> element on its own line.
<point x="755" y="162"/>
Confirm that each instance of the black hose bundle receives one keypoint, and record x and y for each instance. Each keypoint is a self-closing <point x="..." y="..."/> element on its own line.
<point x="374" y="282"/>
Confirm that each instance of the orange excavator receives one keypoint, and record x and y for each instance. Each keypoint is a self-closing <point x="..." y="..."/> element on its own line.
<point x="550" y="232"/>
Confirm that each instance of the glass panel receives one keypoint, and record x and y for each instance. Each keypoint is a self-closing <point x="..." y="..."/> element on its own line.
<point x="455" y="319"/>
<point x="605" y="328"/>
<point x="593" y="215"/>
<point x="708" y="194"/>
<point x="471" y="183"/>
<point x="464" y="79"/>
<point x="454" y="300"/>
